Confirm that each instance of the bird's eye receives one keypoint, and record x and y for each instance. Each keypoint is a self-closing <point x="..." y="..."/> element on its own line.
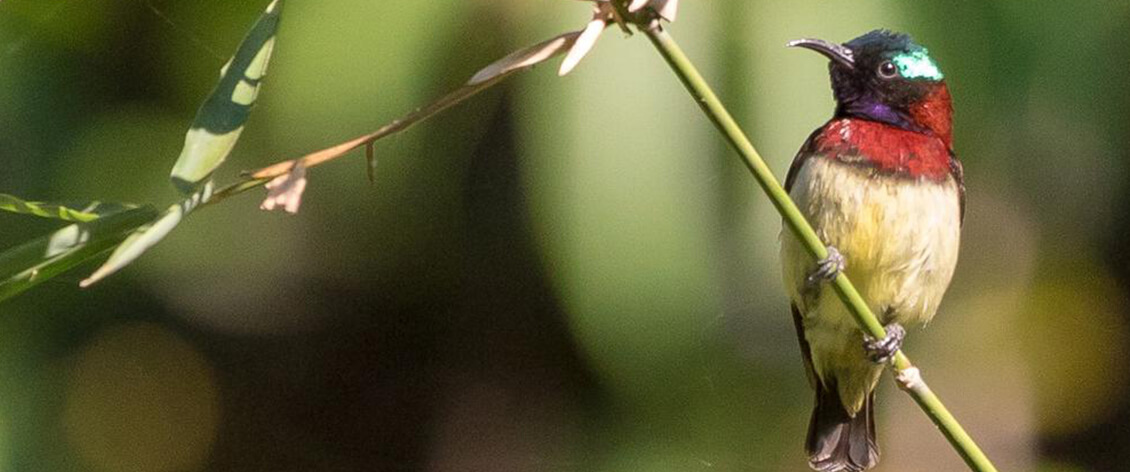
<point x="887" y="70"/>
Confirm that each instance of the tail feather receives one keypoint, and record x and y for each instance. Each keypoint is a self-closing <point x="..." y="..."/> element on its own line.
<point x="838" y="442"/>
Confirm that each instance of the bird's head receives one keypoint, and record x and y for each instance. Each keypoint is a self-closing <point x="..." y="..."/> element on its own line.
<point x="887" y="77"/>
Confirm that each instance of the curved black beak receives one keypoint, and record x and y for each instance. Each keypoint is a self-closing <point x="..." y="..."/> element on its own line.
<point x="836" y="52"/>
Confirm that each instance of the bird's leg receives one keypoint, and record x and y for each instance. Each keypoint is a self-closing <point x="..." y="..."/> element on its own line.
<point x="827" y="268"/>
<point x="880" y="351"/>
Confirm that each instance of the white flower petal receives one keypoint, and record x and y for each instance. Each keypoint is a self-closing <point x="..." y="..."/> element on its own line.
<point x="583" y="45"/>
<point x="668" y="9"/>
<point x="286" y="190"/>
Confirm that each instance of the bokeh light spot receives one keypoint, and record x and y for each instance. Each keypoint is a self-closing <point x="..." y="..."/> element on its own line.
<point x="141" y="398"/>
<point x="1075" y="338"/>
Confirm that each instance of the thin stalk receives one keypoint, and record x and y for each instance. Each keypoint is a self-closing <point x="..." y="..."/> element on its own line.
<point x="908" y="376"/>
<point x="233" y="190"/>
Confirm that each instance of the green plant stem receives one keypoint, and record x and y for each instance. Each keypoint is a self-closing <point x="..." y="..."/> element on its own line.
<point x="907" y="375"/>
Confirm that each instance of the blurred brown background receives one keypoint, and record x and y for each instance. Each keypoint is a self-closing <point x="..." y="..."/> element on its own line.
<point x="562" y="274"/>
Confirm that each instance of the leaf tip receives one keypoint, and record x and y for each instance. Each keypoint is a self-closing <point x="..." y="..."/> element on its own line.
<point x="96" y="277"/>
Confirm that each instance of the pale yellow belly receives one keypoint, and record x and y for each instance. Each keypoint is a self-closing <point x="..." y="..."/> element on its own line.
<point x="900" y="238"/>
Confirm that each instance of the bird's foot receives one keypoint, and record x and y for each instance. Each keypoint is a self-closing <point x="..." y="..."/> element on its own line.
<point x="880" y="351"/>
<point x="827" y="268"/>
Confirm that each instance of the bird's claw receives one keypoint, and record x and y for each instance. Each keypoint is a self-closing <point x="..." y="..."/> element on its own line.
<point x="880" y="351"/>
<point x="827" y="268"/>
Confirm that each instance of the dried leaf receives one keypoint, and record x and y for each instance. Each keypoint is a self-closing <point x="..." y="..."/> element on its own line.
<point x="371" y="162"/>
<point x="483" y="80"/>
<point x="525" y="58"/>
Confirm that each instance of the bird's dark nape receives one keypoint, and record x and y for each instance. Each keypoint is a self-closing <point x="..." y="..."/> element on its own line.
<point x="836" y="441"/>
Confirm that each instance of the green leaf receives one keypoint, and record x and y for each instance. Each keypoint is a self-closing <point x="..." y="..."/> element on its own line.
<point x="220" y="120"/>
<point x="61" y="211"/>
<point x="145" y="237"/>
<point x="41" y="259"/>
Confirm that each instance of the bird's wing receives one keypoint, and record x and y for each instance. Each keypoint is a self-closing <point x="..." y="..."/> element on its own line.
<point x="802" y="156"/>
<point x="805" y="350"/>
<point x="958" y="173"/>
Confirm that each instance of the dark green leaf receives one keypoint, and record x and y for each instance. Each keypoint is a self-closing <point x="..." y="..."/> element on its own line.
<point x="74" y="212"/>
<point x="145" y="237"/>
<point x="220" y="120"/>
<point x="36" y="261"/>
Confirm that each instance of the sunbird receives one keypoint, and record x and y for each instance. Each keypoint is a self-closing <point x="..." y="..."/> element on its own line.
<point x="882" y="187"/>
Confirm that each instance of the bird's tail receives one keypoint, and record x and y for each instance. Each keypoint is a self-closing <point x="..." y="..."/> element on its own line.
<point x="837" y="441"/>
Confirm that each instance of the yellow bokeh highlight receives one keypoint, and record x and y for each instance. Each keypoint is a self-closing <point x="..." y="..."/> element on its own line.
<point x="1075" y="337"/>
<point x="140" y="398"/>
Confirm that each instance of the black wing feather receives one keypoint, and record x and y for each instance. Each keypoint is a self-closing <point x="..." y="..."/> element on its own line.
<point x="958" y="173"/>
<point x="802" y="156"/>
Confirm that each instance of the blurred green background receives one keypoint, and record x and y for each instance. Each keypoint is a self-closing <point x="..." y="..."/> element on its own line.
<point x="561" y="274"/>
